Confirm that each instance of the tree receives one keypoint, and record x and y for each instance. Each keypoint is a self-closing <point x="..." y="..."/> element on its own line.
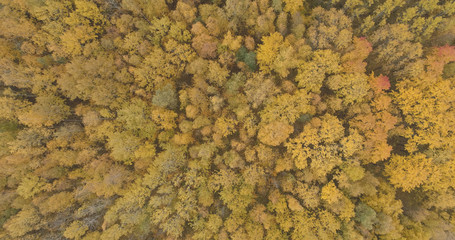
<point x="268" y="50"/>
<point x="274" y="133"/>
<point x="164" y="118"/>
<point x="8" y="132"/>
<point x="237" y="11"/>
<point x="265" y="20"/>
<point x="353" y="59"/>
<point x="375" y="122"/>
<point x="225" y="126"/>
<point x="93" y="79"/>
<point x="311" y="74"/>
<point x="114" y="232"/>
<point x="429" y="95"/>
<point x="282" y="23"/>
<point x="286" y="107"/>
<point x="426" y="105"/>
<point x="350" y="87"/>
<point x="292" y="6"/>
<point x="204" y="44"/>
<point x="318" y="225"/>
<point x="30" y="141"/>
<point x="30" y="186"/>
<point x="10" y="107"/>
<point x="276" y="53"/>
<point x="105" y="179"/>
<point x="56" y="203"/>
<point x="365" y="215"/>
<point x="259" y="88"/>
<point x="393" y="51"/>
<point x="236" y="119"/>
<point x="424" y="17"/>
<point x="184" y="12"/>
<point x="142" y="8"/>
<point x="76" y="230"/>
<point x="25" y="221"/>
<point x="408" y="172"/>
<point x="157" y="71"/>
<point x="318" y="143"/>
<point x="248" y="57"/>
<point x="217" y="74"/>
<point x="330" y="29"/>
<point x="330" y="193"/>
<point x="84" y="23"/>
<point x="47" y="111"/>
<point x="165" y="97"/>
<point x="123" y="145"/>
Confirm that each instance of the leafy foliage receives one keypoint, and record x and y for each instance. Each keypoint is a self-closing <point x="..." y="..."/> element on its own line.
<point x="235" y="119"/>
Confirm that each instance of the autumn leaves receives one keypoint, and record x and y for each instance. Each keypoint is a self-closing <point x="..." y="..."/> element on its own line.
<point x="236" y="119"/>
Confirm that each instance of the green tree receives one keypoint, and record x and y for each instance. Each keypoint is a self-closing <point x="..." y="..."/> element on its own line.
<point x="365" y="215"/>
<point x="165" y="97"/>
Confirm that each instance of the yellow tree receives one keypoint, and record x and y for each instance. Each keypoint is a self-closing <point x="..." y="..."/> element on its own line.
<point x="269" y="50"/>
<point x="349" y="87"/>
<point x="76" y="230"/>
<point x="374" y="121"/>
<point x="426" y="102"/>
<point x="275" y="133"/>
<point x="277" y="54"/>
<point x="330" y="29"/>
<point x="312" y="73"/>
<point x="394" y="52"/>
<point x="160" y="67"/>
<point x="286" y="107"/>
<point x="26" y="220"/>
<point x="292" y="6"/>
<point x="143" y="8"/>
<point x="85" y="23"/>
<point x="47" y="111"/>
<point x="318" y="143"/>
<point x="408" y="172"/>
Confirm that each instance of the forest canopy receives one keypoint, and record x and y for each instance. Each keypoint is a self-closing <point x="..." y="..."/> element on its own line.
<point x="227" y="119"/>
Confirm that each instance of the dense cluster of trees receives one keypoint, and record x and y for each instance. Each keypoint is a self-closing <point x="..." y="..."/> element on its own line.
<point x="227" y="119"/>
